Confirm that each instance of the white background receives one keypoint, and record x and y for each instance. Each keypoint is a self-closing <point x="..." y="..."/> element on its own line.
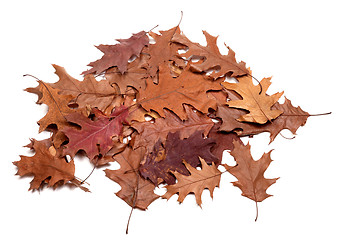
<point x="296" y="42"/>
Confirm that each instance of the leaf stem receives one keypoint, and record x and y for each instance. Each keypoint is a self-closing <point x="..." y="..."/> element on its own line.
<point x="95" y="165"/>
<point x="135" y="195"/>
<point x="134" y="201"/>
<point x="258" y="83"/>
<point x="153" y="28"/>
<point x="29" y="75"/>
<point x="174" y="32"/>
<point x="319" y="114"/>
<point x="257" y="211"/>
<point x="305" y="115"/>
<point x="293" y="137"/>
<point x="129" y="219"/>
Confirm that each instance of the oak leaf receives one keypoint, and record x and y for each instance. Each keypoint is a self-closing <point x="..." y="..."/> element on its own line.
<point x="257" y="103"/>
<point x="219" y="96"/>
<point x="136" y="112"/>
<point x="250" y="173"/>
<point x="224" y="141"/>
<point x="134" y="76"/>
<point x="162" y="161"/>
<point x="88" y="92"/>
<point x="99" y="161"/>
<point x="47" y="167"/>
<point x="212" y="58"/>
<point x="58" y="105"/>
<point x="163" y="50"/>
<point x="171" y="93"/>
<point x="208" y="177"/>
<point x="119" y="54"/>
<point x="94" y="137"/>
<point x="291" y="118"/>
<point x="136" y="191"/>
<point x="151" y="132"/>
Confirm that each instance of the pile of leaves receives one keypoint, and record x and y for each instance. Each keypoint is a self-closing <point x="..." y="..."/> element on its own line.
<point x="165" y="109"/>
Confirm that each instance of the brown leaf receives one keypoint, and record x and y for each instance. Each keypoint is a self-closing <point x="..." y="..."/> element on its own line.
<point x="94" y="137"/>
<point x="100" y="161"/>
<point x="119" y="54"/>
<point x="58" y="138"/>
<point x="134" y="76"/>
<point x="88" y="92"/>
<point x="136" y="112"/>
<point x="250" y="173"/>
<point x="171" y="93"/>
<point x="219" y="96"/>
<point x="47" y="167"/>
<point x="258" y="105"/>
<point x="58" y="107"/>
<point x="291" y="118"/>
<point x="212" y="58"/>
<point x="208" y="177"/>
<point x="135" y="190"/>
<point x="163" y="50"/>
<point x="224" y="141"/>
<point x="35" y="90"/>
<point x="150" y="133"/>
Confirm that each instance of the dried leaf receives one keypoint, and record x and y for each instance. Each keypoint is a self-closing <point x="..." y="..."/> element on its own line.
<point x="94" y="137"/>
<point x="137" y="113"/>
<point x="58" y="107"/>
<point x="151" y="132"/>
<point x="224" y="141"/>
<point x="213" y="60"/>
<point x="291" y="118"/>
<point x="119" y="54"/>
<point x="171" y="93"/>
<point x="134" y="76"/>
<point x="162" y="162"/>
<point x="88" y="92"/>
<point x="47" y="167"/>
<point x="258" y="104"/>
<point x="163" y="50"/>
<point x="135" y="190"/>
<point x="250" y="173"/>
<point x="208" y="177"/>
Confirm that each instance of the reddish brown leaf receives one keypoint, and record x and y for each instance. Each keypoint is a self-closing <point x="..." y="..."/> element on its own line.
<point x="94" y="137"/>
<point x="160" y="163"/>
<point x="119" y="54"/>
